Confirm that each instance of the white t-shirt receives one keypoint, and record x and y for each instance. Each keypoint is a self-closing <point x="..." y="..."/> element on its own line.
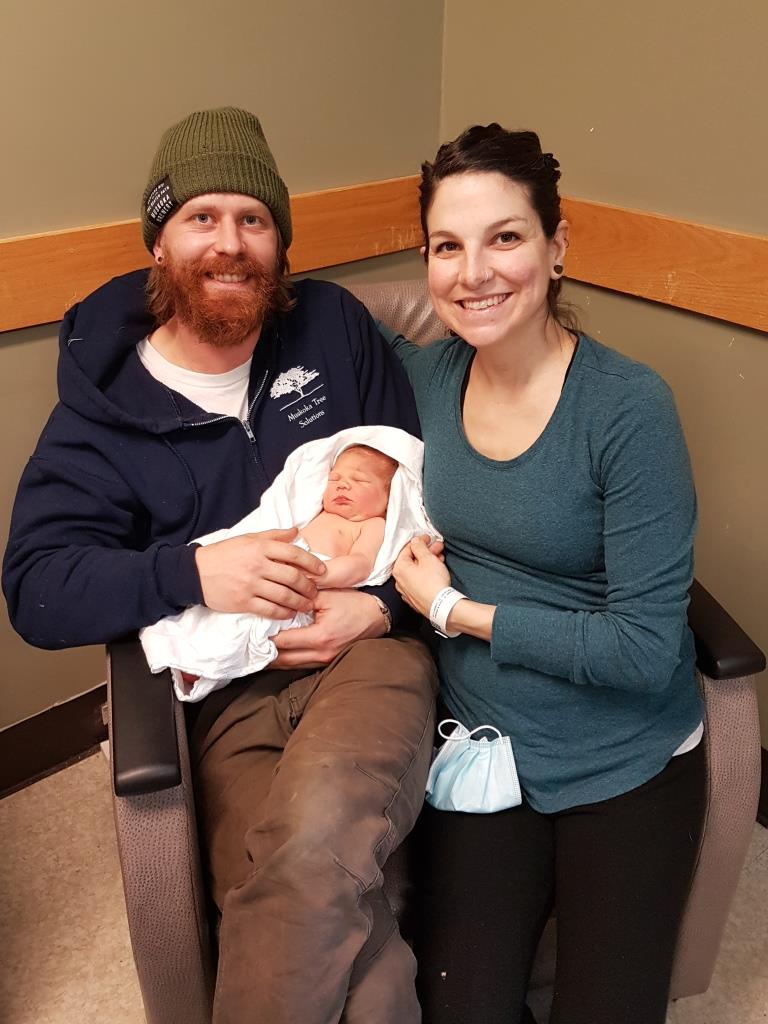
<point x="693" y="740"/>
<point x="222" y="393"/>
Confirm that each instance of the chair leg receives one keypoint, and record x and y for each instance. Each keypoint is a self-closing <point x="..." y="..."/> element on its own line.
<point x="732" y="736"/>
<point x="165" y="902"/>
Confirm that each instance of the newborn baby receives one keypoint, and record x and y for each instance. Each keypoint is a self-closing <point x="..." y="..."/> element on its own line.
<point x="366" y="482"/>
<point x="350" y="529"/>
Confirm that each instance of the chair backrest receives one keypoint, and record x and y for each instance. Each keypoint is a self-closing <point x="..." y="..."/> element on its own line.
<point x="405" y="306"/>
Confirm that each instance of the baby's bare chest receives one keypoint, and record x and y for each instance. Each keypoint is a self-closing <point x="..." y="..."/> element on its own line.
<point x="331" y="535"/>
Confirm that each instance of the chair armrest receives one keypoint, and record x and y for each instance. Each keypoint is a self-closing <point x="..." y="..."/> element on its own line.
<point x="723" y="649"/>
<point x="143" y="744"/>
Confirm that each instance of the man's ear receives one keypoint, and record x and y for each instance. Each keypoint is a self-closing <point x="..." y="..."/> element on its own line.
<point x="423" y="253"/>
<point x="157" y="249"/>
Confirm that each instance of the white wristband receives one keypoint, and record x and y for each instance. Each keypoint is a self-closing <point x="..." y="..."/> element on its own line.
<point x="442" y="607"/>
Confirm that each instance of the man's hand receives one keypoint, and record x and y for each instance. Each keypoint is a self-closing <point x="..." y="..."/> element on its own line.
<point x="261" y="573"/>
<point x="420" y="573"/>
<point x="341" y="616"/>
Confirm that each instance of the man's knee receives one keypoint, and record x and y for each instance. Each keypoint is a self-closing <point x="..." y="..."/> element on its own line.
<point x="340" y="812"/>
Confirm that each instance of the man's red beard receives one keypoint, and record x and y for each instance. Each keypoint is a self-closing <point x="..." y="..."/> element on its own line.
<point x="222" y="317"/>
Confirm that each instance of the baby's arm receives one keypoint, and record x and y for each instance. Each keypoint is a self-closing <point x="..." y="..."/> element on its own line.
<point x="348" y="570"/>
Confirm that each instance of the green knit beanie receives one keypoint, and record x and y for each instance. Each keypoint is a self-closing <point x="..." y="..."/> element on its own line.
<point x="213" y="151"/>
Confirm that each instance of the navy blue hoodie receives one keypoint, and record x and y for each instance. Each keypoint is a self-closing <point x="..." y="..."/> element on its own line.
<point x="127" y="471"/>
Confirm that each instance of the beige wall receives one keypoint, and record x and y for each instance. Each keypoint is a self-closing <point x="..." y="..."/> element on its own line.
<point x="657" y="106"/>
<point x="347" y="92"/>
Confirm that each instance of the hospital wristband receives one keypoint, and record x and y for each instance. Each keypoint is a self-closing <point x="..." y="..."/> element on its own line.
<point x="441" y="608"/>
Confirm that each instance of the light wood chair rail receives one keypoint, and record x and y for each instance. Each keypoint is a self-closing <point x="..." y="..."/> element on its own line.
<point x="708" y="270"/>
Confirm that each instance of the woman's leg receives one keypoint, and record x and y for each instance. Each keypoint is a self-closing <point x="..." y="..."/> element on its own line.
<point x="623" y="871"/>
<point x="483" y="891"/>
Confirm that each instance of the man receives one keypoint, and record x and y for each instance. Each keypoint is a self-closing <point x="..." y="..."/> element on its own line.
<point x="182" y="391"/>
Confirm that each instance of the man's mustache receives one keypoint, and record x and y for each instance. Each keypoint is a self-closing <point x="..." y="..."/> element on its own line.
<point x="222" y="264"/>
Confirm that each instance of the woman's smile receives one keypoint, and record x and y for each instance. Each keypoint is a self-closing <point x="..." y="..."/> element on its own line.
<point x="486" y="302"/>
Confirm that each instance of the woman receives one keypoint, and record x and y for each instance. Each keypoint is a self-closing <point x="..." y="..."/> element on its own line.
<point x="557" y="472"/>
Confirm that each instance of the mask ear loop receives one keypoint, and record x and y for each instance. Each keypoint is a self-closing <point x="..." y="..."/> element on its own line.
<point x="448" y="721"/>
<point x="482" y="728"/>
<point x="466" y="736"/>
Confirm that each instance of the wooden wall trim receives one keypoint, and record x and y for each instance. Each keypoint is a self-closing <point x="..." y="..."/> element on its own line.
<point x="719" y="273"/>
<point x="52" y="739"/>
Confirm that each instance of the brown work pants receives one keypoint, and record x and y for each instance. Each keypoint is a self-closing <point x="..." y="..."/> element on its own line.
<point x="306" y="784"/>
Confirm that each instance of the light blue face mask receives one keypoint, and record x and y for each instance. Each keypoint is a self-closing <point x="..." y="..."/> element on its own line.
<point x="475" y="776"/>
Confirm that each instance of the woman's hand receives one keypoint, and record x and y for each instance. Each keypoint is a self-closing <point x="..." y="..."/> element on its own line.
<point x="420" y="573"/>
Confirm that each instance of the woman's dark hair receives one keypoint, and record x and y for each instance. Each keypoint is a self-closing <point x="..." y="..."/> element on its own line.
<point x="518" y="156"/>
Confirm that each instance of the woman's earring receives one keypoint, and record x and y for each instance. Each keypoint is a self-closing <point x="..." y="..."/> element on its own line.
<point x="558" y="269"/>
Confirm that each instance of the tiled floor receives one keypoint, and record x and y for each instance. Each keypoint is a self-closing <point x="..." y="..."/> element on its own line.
<point x="64" y="952"/>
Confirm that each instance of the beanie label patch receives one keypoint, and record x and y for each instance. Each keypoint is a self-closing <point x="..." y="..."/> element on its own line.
<point x="161" y="202"/>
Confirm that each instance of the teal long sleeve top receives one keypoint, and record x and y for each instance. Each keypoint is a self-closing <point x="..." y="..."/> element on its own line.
<point x="584" y="544"/>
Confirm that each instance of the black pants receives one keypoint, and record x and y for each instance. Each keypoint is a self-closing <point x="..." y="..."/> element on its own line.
<point x="618" y="873"/>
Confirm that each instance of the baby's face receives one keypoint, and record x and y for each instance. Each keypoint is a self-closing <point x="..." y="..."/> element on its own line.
<point x="358" y="486"/>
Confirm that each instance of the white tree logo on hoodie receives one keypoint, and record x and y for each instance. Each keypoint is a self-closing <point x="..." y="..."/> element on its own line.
<point x="295" y="379"/>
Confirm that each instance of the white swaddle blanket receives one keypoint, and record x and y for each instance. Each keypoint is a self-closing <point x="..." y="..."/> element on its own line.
<point x="218" y="646"/>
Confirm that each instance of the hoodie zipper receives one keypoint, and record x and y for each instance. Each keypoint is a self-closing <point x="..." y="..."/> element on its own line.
<point x="244" y="423"/>
<point x="252" y="406"/>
